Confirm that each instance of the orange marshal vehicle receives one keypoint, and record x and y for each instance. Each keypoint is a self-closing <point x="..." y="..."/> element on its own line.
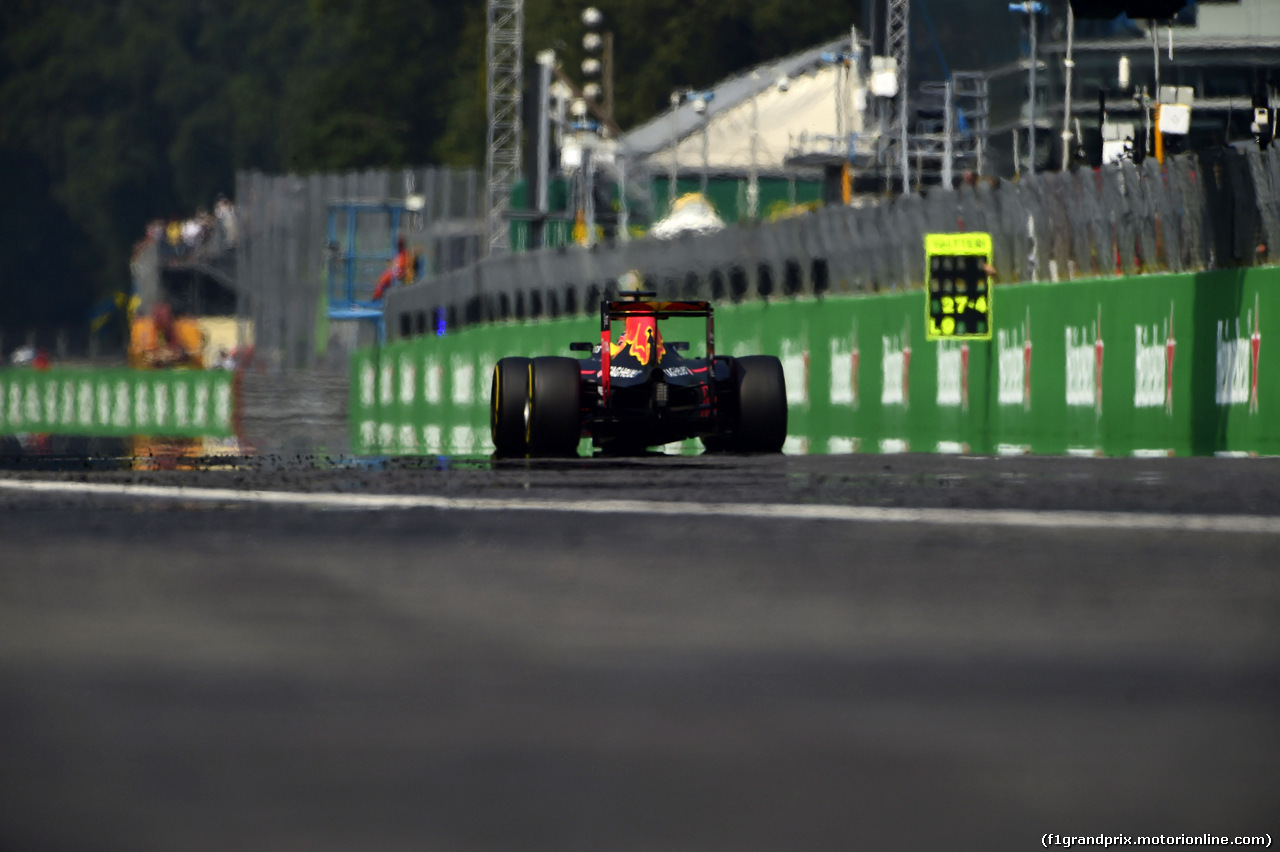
<point x="160" y="340"/>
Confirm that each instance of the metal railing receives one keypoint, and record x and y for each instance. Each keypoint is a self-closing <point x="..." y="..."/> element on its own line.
<point x="286" y="250"/>
<point x="1211" y="210"/>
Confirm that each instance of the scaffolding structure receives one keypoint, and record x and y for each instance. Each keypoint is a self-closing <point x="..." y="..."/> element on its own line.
<point x="504" y="60"/>
<point x="950" y="135"/>
<point x="897" y="39"/>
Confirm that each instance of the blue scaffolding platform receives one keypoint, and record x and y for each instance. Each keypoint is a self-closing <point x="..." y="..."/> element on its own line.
<point x="353" y="270"/>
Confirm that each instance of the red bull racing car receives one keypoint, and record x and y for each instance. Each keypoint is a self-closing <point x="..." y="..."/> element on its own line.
<point x="638" y="391"/>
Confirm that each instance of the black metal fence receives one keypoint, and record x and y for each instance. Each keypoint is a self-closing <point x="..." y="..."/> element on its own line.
<point x="1209" y="210"/>
<point x="284" y="255"/>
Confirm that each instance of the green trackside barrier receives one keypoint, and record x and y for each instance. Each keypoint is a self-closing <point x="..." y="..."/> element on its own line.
<point x="118" y="402"/>
<point x="430" y="395"/>
<point x="861" y="376"/>
<point x="1183" y="364"/>
<point x="1158" y="364"/>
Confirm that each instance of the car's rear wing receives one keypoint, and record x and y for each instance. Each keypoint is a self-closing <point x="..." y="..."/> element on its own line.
<point x="638" y="306"/>
<point x="658" y="310"/>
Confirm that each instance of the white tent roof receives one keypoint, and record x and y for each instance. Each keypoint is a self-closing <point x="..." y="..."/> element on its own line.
<point x="786" y="121"/>
<point x="799" y="119"/>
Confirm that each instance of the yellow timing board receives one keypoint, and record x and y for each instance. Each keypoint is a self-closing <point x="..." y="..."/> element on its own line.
<point x="957" y="288"/>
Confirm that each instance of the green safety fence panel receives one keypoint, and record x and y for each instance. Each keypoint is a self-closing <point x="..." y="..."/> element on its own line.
<point x="1151" y="365"/>
<point x="1175" y="364"/>
<point x="1235" y="316"/>
<point x="430" y="395"/>
<point x="118" y="402"/>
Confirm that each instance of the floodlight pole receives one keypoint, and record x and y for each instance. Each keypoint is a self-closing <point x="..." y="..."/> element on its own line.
<point x="608" y="72"/>
<point x="624" y="212"/>
<point x="1031" y="94"/>
<point x="589" y="188"/>
<point x="675" y="161"/>
<point x="949" y="111"/>
<point x="706" y="156"/>
<point x="1155" y="53"/>
<point x="546" y="61"/>
<point x="1068" y="66"/>
<point x="753" y="180"/>
<point x="1031" y="8"/>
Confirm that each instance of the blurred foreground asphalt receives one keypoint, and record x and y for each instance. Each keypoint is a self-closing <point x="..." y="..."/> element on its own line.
<point x="182" y="675"/>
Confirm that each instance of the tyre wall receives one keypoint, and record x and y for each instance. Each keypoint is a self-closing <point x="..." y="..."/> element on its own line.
<point x="1162" y="364"/>
<point x="1214" y="210"/>
<point x="118" y="402"/>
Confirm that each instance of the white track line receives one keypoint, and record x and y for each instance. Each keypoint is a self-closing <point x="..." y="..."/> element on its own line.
<point x="781" y="511"/>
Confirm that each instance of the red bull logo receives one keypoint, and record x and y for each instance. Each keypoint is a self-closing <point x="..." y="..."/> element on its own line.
<point x="643" y="337"/>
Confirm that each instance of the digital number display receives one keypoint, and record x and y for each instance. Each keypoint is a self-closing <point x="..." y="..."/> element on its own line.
<point x="957" y="286"/>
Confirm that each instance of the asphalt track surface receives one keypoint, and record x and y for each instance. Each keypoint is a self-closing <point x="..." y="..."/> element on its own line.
<point x="512" y="672"/>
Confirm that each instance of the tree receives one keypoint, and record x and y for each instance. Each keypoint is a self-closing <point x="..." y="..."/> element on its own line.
<point x="119" y="113"/>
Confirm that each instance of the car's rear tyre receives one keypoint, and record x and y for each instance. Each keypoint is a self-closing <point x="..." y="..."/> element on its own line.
<point x="508" y="395"/>
<point x="554" y="424"/>
<point x="762" y="405"/>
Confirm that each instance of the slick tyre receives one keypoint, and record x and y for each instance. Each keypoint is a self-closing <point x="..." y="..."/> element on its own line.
<point x="508" y="396"/>
<point x="554" y="424"/>
<point x="762" y="405"/>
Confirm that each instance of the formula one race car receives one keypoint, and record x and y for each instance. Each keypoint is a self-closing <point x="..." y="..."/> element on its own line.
<point x="638" y="392"/>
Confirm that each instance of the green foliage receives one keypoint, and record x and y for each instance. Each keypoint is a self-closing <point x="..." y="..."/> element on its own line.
<point x="118" y="113"/>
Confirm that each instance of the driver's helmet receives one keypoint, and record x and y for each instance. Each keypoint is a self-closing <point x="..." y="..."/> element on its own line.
<point x="630" y="281"/>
